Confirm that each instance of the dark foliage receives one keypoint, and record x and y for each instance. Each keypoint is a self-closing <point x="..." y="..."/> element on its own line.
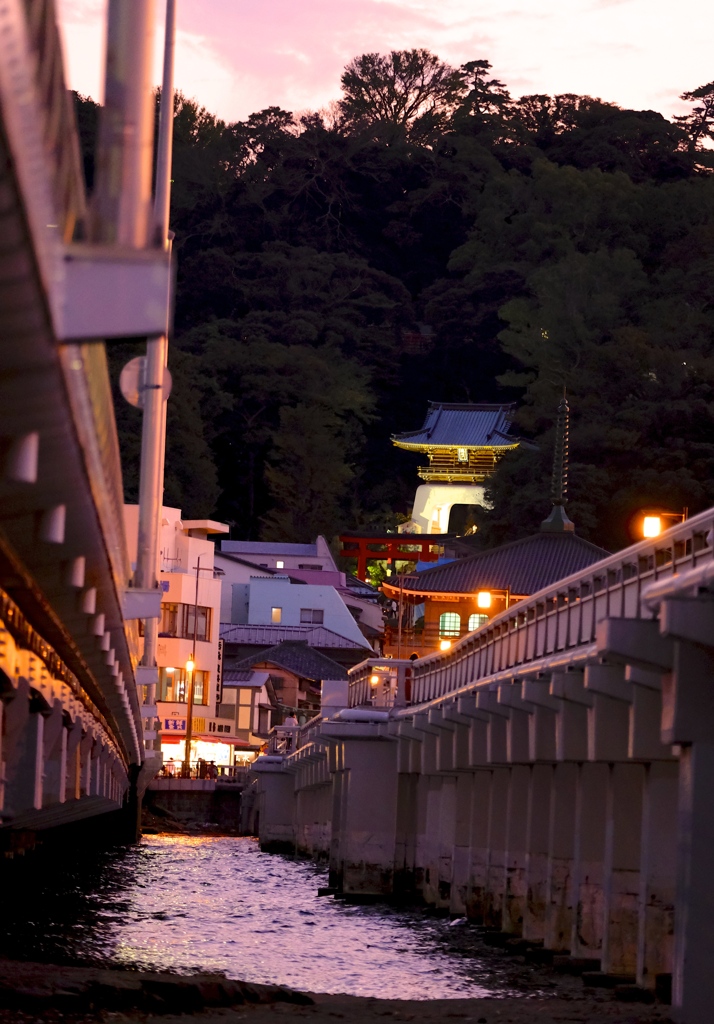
<point x="432" y="238"/>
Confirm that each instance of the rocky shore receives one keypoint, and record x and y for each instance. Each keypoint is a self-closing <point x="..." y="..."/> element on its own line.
<point x="49" y="994"/>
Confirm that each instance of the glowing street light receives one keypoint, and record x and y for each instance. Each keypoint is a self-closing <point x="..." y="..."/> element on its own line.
<point x="374" y="680"/>
<point x="444" y="645"/>
<point x="483" y="599"/>
<point x="651" y="526"/>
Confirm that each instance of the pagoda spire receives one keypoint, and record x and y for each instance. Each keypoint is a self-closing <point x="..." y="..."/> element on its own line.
<point x="557" y="521"/>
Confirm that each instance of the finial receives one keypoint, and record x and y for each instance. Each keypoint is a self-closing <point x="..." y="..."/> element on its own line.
<point x="557" y="521"/>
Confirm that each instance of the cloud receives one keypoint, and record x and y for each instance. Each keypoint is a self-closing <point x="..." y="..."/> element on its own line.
<point x="237" y="56"/>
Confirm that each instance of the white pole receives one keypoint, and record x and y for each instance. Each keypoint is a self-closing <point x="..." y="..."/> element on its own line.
<point x="151" y="482"/>
<point x="122" y="206"/>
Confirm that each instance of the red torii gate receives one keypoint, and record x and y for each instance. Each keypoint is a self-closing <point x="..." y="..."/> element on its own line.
<point x="391" y="547"/>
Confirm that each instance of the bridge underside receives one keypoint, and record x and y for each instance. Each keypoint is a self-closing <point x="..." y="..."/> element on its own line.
<point x="70" y="721"/>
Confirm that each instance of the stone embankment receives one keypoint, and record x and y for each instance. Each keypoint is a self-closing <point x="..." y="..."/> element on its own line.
<point x="48" y="994"/>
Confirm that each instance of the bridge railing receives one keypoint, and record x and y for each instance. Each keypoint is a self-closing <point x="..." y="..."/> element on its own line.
<point x="559" y="618"/>
<point x="59" y="130"/>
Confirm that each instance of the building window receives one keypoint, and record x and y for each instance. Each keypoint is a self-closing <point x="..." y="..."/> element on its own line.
<point x="203" y="622"/>
<point x="169" y="620"/>
<point x="449" y="624"/>
<point x="308" y="566"/>
<point x="477" y="620"/>
<point x="177" y="621"/>
<point x="276" y="614"/>
<point x="316" y="616"/>
<point x="280" y="564"/>
<point x="173" y="686"/>
<point x="462" y="454"/>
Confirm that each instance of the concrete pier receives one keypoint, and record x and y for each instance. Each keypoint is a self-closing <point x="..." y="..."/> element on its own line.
<point x="551" y="777"/>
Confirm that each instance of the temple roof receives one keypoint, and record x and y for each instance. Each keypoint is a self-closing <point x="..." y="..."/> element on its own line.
<point x="450" y="425"/>
<point x="523" y="567"/>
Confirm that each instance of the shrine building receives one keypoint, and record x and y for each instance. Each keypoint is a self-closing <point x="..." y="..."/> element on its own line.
<point x="463" y="443"/>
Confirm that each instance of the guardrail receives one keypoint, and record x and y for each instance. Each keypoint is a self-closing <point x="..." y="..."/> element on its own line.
<point x="560" y="618"/>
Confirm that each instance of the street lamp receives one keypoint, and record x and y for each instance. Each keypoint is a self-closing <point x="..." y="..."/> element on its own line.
<point x="652" y="524"/>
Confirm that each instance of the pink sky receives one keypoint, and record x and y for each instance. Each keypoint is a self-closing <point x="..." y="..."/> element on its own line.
<point x="239" y="56"/>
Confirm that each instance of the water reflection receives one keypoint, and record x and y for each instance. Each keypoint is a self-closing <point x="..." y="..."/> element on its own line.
<point x="185" y="903"/>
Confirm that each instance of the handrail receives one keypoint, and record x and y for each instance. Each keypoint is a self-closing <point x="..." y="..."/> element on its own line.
<point x="561" y="617"/>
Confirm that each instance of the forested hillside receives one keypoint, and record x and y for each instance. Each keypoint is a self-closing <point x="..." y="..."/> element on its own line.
<point x="430" y="237"/>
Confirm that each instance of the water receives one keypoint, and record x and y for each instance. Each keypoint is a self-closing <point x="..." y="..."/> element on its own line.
<point x="185" y="904"/>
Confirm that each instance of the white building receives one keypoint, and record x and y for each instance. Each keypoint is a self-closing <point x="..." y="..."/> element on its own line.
<point x="277" y="555"/>
<point x="189" y="630"/>
<point x="331" y="593"/>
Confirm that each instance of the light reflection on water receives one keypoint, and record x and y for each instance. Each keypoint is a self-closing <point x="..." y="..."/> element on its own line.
<point x="184" y="903"/>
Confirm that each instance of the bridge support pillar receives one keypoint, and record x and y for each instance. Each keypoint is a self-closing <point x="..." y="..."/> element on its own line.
<point x="693" y="978"/>
<point x="479" y="844"/>
<point x="589" y="855"/>
<point x="368" y="818"/>
<point x="55" y="757"/>
<point x="24" y="747"/>
<point x="462" y="836"/>
<point x="276" y="809"/>
<point x="537" y="849"/>
<point x="658" y="870"/>
<point x="74" y="761"/>
<point x="514" y="899"/>
<point x="622" y="869"/>
<point x="405" y="845"/>
<point x="559" y="886"/>
<point x="497" y="831"/>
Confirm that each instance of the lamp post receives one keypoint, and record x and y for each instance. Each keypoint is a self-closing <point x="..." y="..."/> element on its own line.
<point x="652" y="521"/>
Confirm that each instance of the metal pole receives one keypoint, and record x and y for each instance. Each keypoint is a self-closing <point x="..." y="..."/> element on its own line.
<point x="121" y="210"/>
<point x="153" y="438"/>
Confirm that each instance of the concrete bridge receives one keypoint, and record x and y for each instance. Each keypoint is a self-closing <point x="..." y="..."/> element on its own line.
<point x="551" y="775"/>
<point x="72" y="737"/>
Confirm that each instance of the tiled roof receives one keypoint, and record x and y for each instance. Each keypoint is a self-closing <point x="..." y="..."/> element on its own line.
<point x="244" y="677"/>
<point x="260" y="547"/>
<point x="470" y="425"/>
<point x="296" y="657"/>
<point x="523" y="566"/>
<point x="315" y="636"/>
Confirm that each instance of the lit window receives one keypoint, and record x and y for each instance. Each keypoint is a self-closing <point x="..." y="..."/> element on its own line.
<point x="476" y="620"/>
<point x="462" y="454"/>
<point x="449" y="624"/>
<point x="174" y="684"/>
<point x="280" y="564"/>
<point x="276" y="614"/>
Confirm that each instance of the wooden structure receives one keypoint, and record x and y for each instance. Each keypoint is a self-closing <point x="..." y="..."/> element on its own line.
<point x="463" y="442"/>
<point x="460" y="596"/>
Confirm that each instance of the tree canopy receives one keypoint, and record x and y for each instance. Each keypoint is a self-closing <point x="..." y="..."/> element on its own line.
<point x="432" y="237"/>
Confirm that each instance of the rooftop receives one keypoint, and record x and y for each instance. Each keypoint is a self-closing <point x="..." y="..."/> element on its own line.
<point x="450" y="425"/>
<point x="296" y="657"/>
<point x="260" y="547"/>
<point x="315" y="636"/>
<point x="523" y="567"/>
